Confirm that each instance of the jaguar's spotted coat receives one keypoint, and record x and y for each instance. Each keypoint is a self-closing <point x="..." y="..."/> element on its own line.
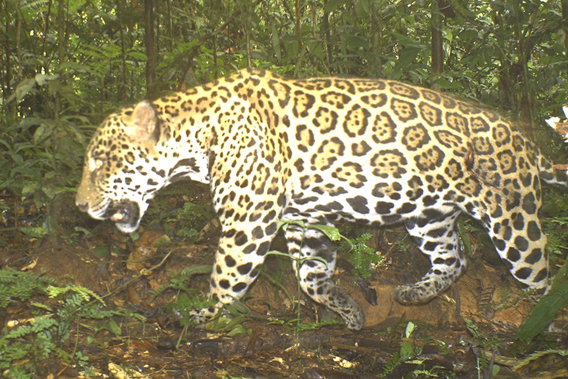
<point x="319" y="150"/>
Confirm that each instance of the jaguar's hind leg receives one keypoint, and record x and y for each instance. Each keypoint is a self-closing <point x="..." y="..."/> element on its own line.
<point x="519" y="240"/>
<point x="439" y="240"/>
<point x="315" y="272"/>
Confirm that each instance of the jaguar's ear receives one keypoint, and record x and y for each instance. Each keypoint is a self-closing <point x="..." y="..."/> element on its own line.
<point x="143" y="123"/>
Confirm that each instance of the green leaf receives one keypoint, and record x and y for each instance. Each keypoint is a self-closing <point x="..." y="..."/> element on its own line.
<point x="330" y="231"/>
<point x="409" y="329"/>
<point x="408" y="55"/>
<point x="24" y="88"/>
<point x="137" y="55"/>
<point x="101" y="251"/>
<point x="362" y="8"/>
<point x="334" y="4"/>
<point x="445" y="84"/>
<point x="42" y="79"/>
<point x="356" y="42"/>
<point x="543" y="312"/>
<point x="406" y="350"/>
<point x="33" y="231"/>
<point x="43" y="132"/>
<point x="114" y="328"/>
<point x="276" y="43"/>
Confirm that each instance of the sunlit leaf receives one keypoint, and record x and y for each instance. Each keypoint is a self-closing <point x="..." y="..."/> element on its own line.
<point x="24" y="88"/>
<point x="42" y="79"/>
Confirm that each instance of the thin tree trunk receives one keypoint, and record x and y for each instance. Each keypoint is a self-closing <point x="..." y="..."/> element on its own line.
<point x="123" y="85"/>
<point x="19" y="73"/>
<point x="61" y="22"/>
<point x="524" y="103"/>
<point x="298" y="12"/>
<point x="168" y="23"/>
<point x="327" y="34"/>
<point x="564" y="4"/>
<point x="437" y="47"/>
<point x="46" y="28"/>
<point x="150" y="51"/>
<point x="5" y="60"/>
<point x="247" y="17"/>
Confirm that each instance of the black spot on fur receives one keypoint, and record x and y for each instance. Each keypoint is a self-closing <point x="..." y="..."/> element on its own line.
<point x="533" y="231"/>
<point x="513" y="254"/>
<point x="244" y="269"/>
<point x="359" y="204"/>
<point x="229" y="261"/>
<point x="499" y="244"/>
<point x="534" y="257"/>
<point x="529" y="203"/>
<point x="523" y="273"/>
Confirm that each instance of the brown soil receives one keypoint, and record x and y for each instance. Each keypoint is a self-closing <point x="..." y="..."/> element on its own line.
<point x="271" y="347"/>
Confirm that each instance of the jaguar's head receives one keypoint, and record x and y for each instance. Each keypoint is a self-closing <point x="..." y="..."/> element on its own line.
<point x="120" y="172"/>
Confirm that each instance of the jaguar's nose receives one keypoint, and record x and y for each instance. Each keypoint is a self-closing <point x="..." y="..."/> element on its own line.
<point x="83" y="207"/>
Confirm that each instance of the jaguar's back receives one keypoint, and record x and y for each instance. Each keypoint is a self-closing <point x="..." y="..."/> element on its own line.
<point x="317" y="150"/>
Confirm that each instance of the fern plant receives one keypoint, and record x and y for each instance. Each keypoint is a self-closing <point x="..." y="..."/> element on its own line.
<point x="21" y="286"/>
<point x="28" y="344"/>
<point x="361" y="256"/>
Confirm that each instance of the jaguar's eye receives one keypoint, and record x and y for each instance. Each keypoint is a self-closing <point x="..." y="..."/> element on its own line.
<point x="98" y="163"/>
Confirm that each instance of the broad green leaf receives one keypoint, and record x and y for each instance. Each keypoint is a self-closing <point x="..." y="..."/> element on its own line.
<point x="24" y="88"/>
<point x="42" y="79"/>
<point x="409" y="329"/>
<point x="408" y="55"/>
<point x="43" y="132"/>
<point x="334" y="4"/>
<point x="356" y="42"/>
<point x="330" y="231"/>
<point x="33" y="231"/>
<point x="362" y="8"/>
<point x="543" y="312"/>
<point x="101" y="251"/>
<point x="406" y="350"/>
<point x="445" y="84"/>
<point x="137" y="55"/>
<point x="276" y="43"/>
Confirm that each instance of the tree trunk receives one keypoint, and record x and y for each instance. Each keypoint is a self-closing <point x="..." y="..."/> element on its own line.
<point x="565" y="18"/>
<point x="150" y="51"/>
<point x="328" y="35"/>
<point x="437" y="47"/>
<point x="62" y="43"/>
<point x="123" y="85"/>
<point x="298" y="23"/>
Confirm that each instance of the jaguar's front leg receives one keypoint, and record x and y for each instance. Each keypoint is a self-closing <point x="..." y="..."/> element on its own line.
<point x="316" y="266"/>
<point x="239" y="257"/>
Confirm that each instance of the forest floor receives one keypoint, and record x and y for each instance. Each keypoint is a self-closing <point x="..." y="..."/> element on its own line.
<point x="467" y="332"/>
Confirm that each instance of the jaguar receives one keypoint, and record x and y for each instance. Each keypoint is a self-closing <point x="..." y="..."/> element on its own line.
<point x="315" y="151"/>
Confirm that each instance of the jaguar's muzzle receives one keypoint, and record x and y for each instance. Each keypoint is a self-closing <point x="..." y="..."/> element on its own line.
<point x="126" y="215"/>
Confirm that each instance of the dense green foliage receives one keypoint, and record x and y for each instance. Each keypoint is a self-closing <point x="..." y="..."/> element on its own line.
<point x="66" y="64"/>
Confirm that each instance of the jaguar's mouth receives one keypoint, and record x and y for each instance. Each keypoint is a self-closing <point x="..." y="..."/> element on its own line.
<point x="126" y="216"/>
